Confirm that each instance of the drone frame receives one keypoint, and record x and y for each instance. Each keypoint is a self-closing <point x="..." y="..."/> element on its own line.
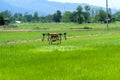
<point x="54" y="37"/>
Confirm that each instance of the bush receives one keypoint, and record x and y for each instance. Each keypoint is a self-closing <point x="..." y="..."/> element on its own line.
<point x="87" y="28"/>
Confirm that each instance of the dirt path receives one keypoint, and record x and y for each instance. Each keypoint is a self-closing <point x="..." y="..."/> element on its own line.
<point x="20" y="30"/>
<point x="24" y="41"/>
<point x="38" y="40"/>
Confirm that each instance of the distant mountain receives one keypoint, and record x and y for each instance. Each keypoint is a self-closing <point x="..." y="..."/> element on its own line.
<point x="6" y="6"/>
<point x="44" y="7"/>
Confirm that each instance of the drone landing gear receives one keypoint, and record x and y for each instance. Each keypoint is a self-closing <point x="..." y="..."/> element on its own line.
<point x="51" y="42"/>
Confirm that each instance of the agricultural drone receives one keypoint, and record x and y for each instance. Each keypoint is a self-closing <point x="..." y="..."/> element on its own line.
<point x="54" y="37"/>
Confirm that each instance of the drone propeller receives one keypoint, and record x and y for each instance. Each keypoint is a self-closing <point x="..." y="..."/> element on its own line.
<point x="64" y="35"/>
<point x="47" y="34"/>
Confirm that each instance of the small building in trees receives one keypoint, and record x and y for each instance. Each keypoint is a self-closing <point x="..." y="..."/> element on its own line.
<point x="6" y="21"/>
<point x="17" y="22"/>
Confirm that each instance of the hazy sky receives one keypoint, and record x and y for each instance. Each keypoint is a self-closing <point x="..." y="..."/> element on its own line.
<point x="112" y="3"/>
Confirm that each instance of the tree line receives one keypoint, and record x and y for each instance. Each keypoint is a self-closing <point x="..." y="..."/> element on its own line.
<point x="80" y="15"/>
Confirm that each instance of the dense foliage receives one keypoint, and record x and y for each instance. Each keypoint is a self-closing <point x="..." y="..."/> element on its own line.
<point x="80" y="15"/>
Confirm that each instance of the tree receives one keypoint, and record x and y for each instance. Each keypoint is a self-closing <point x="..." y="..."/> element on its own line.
<point x="117" y="16"/>
<point x="102" y="16"/>
<point x="57" y="16"/>
<point x="6" y="14"/>
<point x="79" y="16"/>
<point x="94" y="15"/>
<point x="42" y="19"/>
<point x="36" y="16"/>
<point x="18" y="16"/>
<point x="73" y="17"/>
<point x="1" y="20"/>
<point x="28" y="17"/>
<point x="49" y="18"/>
<point x="67" y="16"/>
<point x="79" y="9"/>
<point x="87" y="13"/>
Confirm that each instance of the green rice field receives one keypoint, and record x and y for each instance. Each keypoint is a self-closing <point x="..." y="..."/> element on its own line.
<point x="87" y="54"/>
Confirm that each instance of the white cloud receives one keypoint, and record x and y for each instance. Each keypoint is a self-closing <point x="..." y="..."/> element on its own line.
<point x="102" y="3"/>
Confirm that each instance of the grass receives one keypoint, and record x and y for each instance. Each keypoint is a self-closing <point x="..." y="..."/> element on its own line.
<point x="59" y="26"/>
<point x="92" y="56"/>
<point x="15" y="36"/>
<point x="89" y="58"/>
